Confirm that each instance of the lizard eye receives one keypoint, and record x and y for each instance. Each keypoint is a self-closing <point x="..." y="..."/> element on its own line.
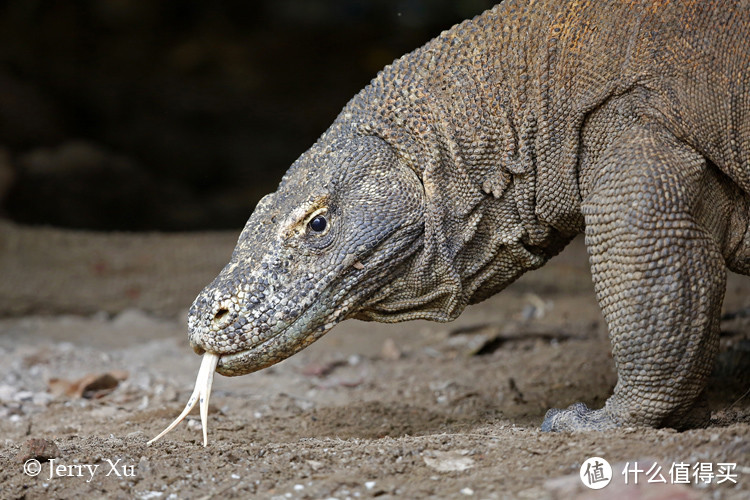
<point x="318" y="223"/>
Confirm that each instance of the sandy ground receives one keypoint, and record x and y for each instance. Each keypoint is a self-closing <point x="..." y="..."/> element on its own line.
<point x="393" y="411"/>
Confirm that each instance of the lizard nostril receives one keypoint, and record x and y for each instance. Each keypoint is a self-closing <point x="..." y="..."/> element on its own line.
<point x="220" y="315"/>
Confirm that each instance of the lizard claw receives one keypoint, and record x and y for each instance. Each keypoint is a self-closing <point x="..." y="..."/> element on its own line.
<point x="576" y="418"/>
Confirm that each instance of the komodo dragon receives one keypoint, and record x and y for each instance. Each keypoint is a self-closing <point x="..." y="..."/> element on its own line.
<point x="480" y="155"/>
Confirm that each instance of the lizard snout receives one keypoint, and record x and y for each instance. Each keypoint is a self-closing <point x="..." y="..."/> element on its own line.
<point x="216" y="327"/>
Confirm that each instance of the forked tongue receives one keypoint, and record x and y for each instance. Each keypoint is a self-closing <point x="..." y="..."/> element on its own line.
<point x="201" y="392"/>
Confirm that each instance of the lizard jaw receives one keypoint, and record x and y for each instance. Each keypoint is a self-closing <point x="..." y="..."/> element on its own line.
<point x="284" y="339"/>
<point x="302" y="332"/>
<point x="268" y="352"/>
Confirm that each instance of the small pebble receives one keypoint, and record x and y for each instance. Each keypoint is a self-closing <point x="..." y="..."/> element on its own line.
<point x="7" y="393"/>
<point x="42" y="398"/>
<point x="150" y="495"/>
<point x="24" y="396"/>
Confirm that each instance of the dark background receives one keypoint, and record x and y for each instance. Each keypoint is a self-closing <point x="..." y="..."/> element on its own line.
<point x="180" y="115"/>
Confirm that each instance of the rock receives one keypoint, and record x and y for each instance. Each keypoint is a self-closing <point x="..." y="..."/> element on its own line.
<point x="37" y="448"/>
<point x="24" y="396"/>
<point x="447" y="461"/>
<point x="91" y="386"/>
<point x="7" y="393"/>
<point x="390" y="350"/>
<point x="134" y="318"/>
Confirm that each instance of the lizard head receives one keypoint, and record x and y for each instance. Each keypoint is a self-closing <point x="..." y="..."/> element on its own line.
<point x="345" y="219"/>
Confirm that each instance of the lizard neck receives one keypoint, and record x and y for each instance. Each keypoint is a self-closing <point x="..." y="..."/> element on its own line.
<point x="463" y="113"/>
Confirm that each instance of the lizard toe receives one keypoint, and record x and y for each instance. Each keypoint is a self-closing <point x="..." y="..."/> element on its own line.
<point x="577" y="418"/>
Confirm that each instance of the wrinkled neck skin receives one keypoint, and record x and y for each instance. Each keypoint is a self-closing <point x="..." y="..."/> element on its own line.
<point x="427" y="183"/>
<point x="466" y="120"/>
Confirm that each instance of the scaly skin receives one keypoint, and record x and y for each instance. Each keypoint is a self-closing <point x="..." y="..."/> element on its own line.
<point x="477" y="157"/>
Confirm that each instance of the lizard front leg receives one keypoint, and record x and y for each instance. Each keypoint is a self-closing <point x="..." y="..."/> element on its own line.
<point x="659" y="276"/>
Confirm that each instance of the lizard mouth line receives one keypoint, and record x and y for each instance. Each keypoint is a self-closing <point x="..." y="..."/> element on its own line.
<point x="229" y="357"/>
<point x="296" y="331"/>
<point x="302" y="326"/>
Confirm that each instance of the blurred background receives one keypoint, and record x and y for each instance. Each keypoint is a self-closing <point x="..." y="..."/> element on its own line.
<point x="179" y="115"/>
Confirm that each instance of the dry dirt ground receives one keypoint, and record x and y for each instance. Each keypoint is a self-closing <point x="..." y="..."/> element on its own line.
<point x="411" y="410"/>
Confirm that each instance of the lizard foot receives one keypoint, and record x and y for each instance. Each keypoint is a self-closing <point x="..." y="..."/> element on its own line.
<point x="577" y="417"/>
